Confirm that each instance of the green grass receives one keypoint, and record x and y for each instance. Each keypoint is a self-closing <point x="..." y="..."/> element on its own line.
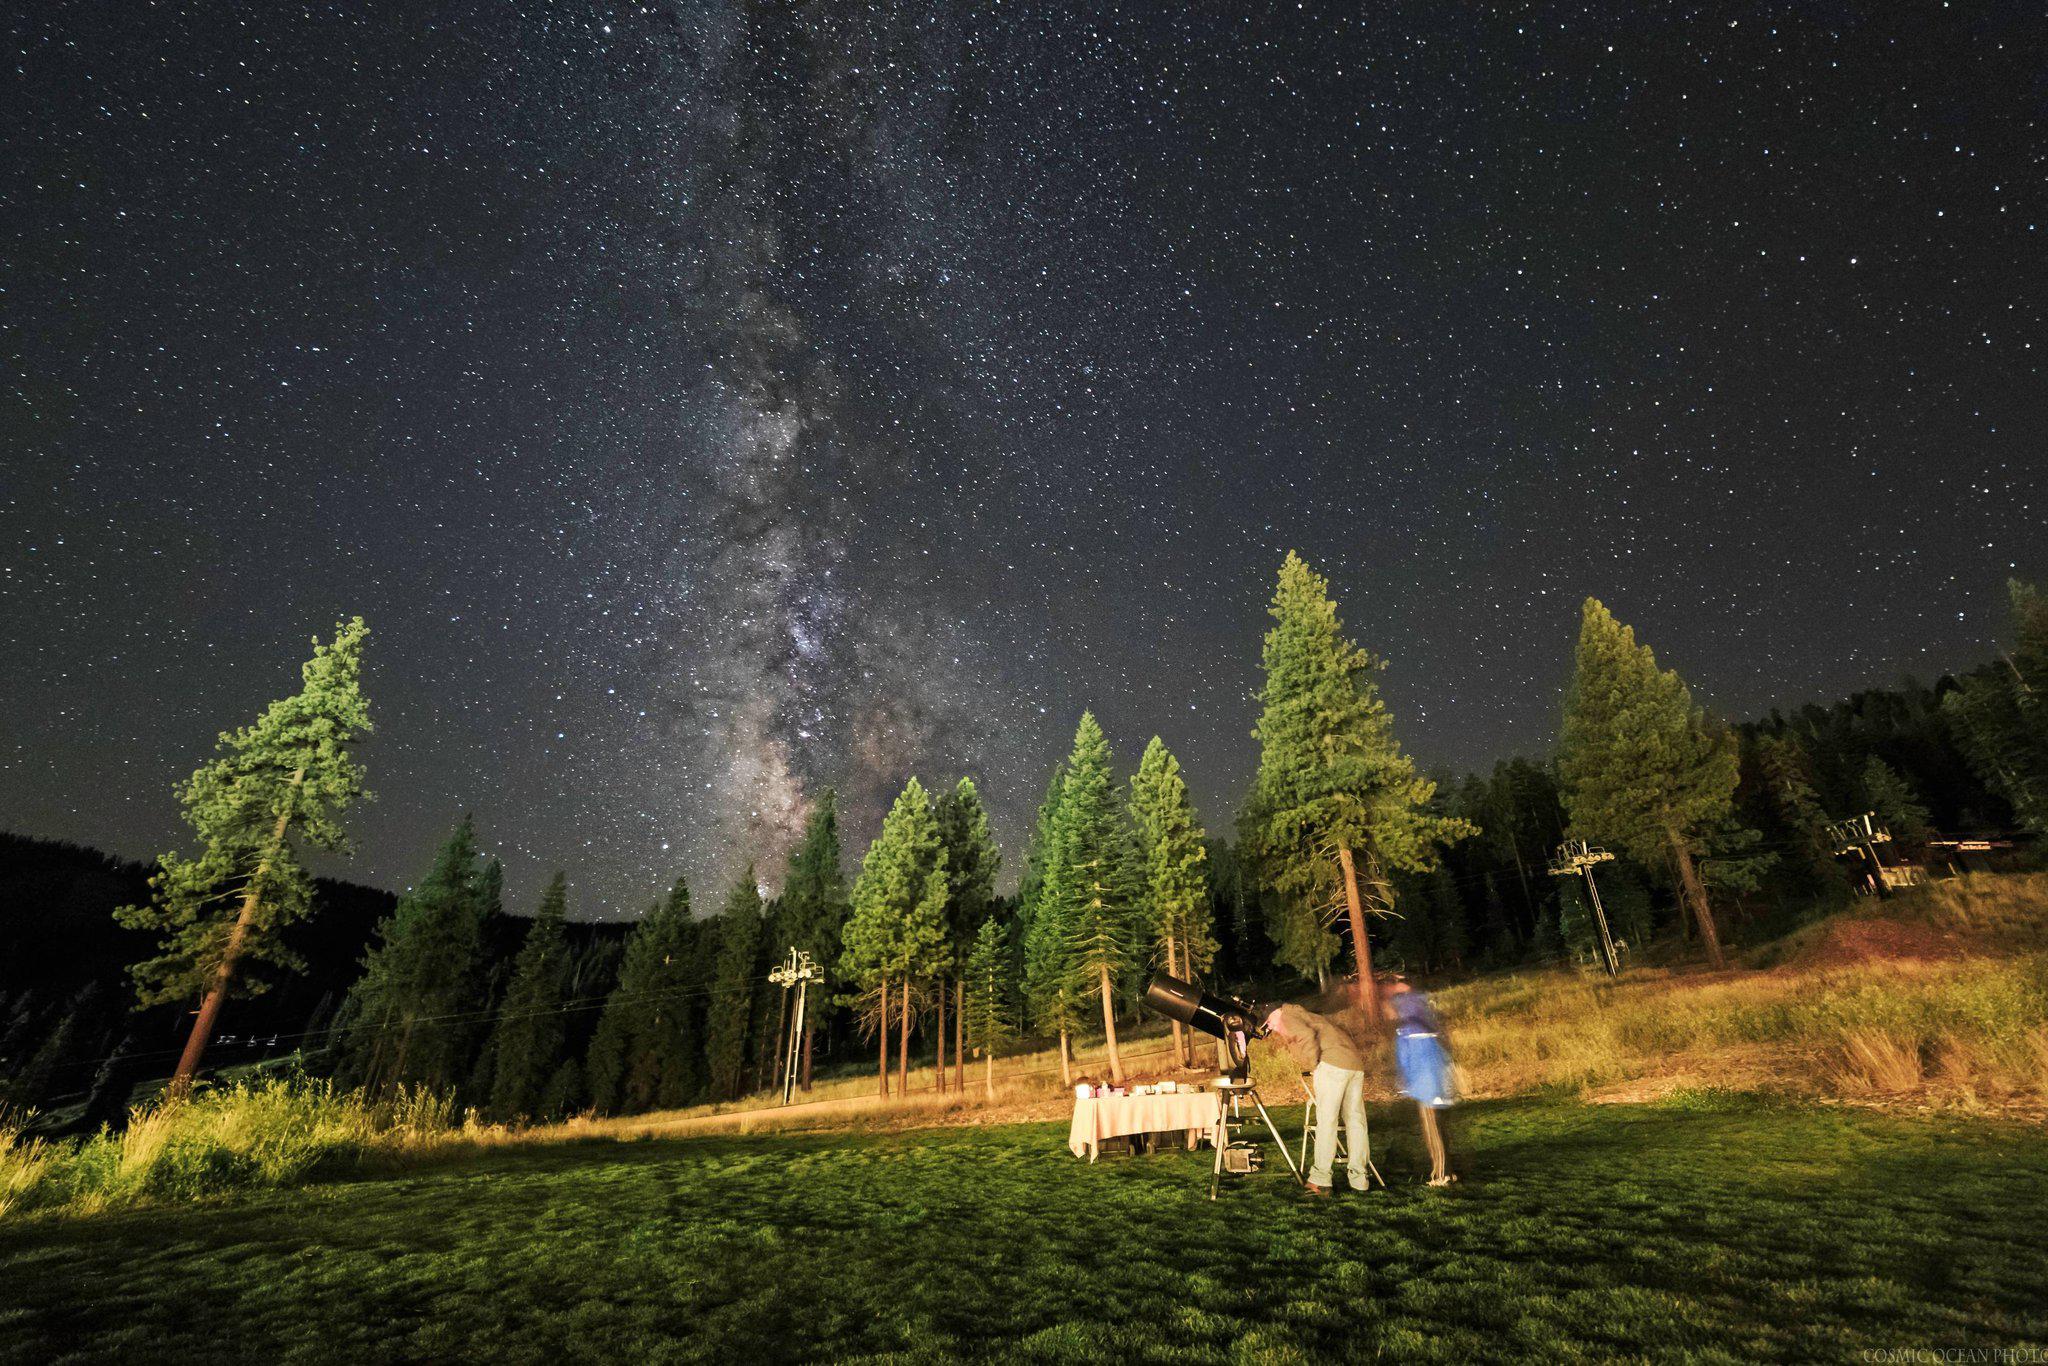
<point x="1706" y="1226"/>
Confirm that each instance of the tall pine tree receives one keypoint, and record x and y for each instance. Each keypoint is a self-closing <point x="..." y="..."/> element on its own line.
<point x="1091" y="883"/>
<point x="972" y="862"/>
<point x="1335" y="797"/>
<point x="526" y="1047"/>
<point x="896" y="936"/>
<point x="278" y="785"/>
<point x="412" y="1017"/>
<point x="1173" y="892"/>
<point x="1642" y="767"/>
<point x="733" y="986"/>
<point x="1047" y="948"/>
<point x="645" y="1054"/>
<point x="986" y="1012"/>
<point x="813" y="911"/>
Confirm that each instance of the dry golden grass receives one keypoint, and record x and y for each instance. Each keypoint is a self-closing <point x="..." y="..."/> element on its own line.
<point x="1963" y="1019"/>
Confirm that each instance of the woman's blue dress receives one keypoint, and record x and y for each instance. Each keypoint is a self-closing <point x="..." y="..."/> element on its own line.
<point x="1419" y="1053"/>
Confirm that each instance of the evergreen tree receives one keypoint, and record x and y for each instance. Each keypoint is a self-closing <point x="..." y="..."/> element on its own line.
<point x="972" y="862"/>
<point x="1893" y="803"/>
<point x="733" y="986"/>
<point x="277" y="785"/>
<point x="527" y="1044"/>
<point x="986" y="1011"/>
<point x="1031" y="885"/>
<point x="411" y="1018"/>
<point x="1090" y="883"/>
<point x="1173" y="893"/>
<point x="1642" y="767"/>
<point x="896" y="936"/>
<point x="1999" y="715"/>
<point x="1046" y="946"/>
<point x="645" y="1053"/>
<point x="1334" y="791"/>
<point x="51" y="1070"/>
<point x="1786" y="775"/>
<point x="814" y="907"/>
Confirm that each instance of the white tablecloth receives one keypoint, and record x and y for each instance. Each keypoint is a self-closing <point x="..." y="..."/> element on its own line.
<point x="1101" y="1117"/>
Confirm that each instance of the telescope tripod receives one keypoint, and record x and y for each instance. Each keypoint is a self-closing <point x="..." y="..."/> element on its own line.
<point x="1230" y="1096"/>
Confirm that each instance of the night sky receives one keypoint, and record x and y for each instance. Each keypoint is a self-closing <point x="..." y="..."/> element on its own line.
<point x="707" y="403"/>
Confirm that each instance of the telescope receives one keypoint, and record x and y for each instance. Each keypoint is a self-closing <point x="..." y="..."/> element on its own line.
<point x="1229" y="1020"/>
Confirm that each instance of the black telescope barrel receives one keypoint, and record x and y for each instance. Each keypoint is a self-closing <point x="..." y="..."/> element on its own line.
<point x="1217" y="1016"/>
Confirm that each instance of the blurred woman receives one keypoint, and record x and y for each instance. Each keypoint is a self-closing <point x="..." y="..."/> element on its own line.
<point x="1425" y="1067"/>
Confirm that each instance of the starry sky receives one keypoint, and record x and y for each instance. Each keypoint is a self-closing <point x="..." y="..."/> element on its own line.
<point x="706" y="403"/>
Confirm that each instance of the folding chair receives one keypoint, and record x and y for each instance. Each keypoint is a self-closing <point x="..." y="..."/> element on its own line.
<point x="1308" y="1133"/>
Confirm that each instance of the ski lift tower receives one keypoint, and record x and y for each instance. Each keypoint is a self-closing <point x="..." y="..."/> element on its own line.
<point x="797" y="971"/>
<point x="1575" y="859"/>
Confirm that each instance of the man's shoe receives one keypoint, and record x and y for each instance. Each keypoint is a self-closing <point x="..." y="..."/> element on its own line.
<point x="1314" y="1189"/>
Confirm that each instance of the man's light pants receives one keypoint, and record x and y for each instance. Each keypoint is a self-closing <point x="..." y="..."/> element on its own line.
<point x="1340" y="1099"/>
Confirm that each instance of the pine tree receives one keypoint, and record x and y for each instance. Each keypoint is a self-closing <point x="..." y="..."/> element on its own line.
<point x="733" y="986"/>
<point x="1173" y="858"/>
<point x="1999" y="715"/>
<point x="1091" y="881"/>
<point x="645" y="1052"/>
<point x="1893" y="803"/>
<point x="986" y="1012"/>
<point x="896" y="936"/>
<point x="1334" y="791"/>
<point x="814" y="907"/>
<point x="412" y="1017"/>
<point x="1642" y="768"/>
<point x="1786" y="775"/>
<point x="277" y="785"/>
<point x="527" y="1044"/>
<point x="1046" y="946"/>
<point x="972" y="862"/>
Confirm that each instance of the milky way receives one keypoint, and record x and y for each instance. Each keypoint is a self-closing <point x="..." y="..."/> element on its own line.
<point x="707" y="403"/>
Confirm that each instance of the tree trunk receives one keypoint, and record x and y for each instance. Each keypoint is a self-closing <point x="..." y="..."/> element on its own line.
<point x="882" y="1033"/>
<point x="1116" y="1062"/>
<point x="1180" y="1052"/>
<point x="252" y="897"/>
<point x="809" y="1030"/>
<point x="1696" y="898"/>
<point x="1066" y="1060"/>
<point x="988" y="1071"/>
<point x="903" y="1045"/>
<point x="1361" y="949"/>
<point x="960" y="1034"/>
<point x="939" y="1055"/>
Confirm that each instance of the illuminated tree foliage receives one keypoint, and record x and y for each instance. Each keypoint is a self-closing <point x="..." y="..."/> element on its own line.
<point x="972" y="862"/>
<point x="1090" y="882"/>
<point x="986" y="1013"/>
<point x="1173" y="889"/>
<point x="277" y="786"/>
<point x="1642" y="767"/>
<point x="1333" y="787"/>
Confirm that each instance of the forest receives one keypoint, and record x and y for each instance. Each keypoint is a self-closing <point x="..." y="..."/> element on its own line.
<point x="1719" y="832"/>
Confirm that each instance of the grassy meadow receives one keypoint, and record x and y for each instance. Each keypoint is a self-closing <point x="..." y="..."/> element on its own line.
<point x="1707" y="1226"/>
<point x="1722" y="1214"/>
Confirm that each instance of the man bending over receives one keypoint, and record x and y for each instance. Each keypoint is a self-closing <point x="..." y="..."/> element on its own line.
<point x="1337" y="1075"/>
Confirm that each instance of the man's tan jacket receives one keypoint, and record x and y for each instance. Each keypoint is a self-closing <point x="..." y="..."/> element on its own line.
<point x="1313" y="1038"/>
